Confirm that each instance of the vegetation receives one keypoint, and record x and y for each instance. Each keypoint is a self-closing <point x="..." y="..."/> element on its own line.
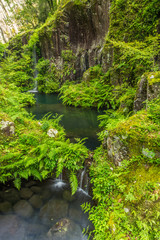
<point x="125" y="169"/>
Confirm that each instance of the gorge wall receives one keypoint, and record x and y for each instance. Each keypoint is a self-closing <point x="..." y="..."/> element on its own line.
<point x="80" y="28"/>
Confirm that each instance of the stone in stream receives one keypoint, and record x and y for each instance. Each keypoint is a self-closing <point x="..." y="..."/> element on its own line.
<point x="11" y="195"/>
<point x="5" y="207"/>
<point x="34" y="229"/>
<point x="23" y="209"/>
<point x="11" y="228"/>
<point x="36" y="189"/>
<point x="26" y="193"/>
<point x="36" y="201"/>
<point x="53" y="210"/>
<point x="67" y="195"/>
<point x="65" y="229"/>
<point x="75" y="213"/>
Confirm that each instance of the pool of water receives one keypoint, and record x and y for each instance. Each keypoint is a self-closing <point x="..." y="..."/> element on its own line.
<point x="77" y="122"/>
<point x="42" y="211"/>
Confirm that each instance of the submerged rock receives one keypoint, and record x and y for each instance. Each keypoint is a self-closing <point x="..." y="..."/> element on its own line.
<point x="53" y="210"/>
<point x="26" y="193"/>
<point x="11" y="195"/>
<point x="5" y="207"/>
<point x="23" y="209"/>
<point x="36" y="201"/>
<point x="65" y="229"/>
<point x="11" y="228"/>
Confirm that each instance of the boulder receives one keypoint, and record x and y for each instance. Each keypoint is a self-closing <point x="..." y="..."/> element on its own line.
<point x="36" y="189"/>
<point x="36" y="201"/>
<point x="23" y="209"/>
<point x="26" y="193"/>
<point x="11" y="195"/>
<point x="75" y="213"/>
<point x="35" y="230"/>
<point x="65" y="229"/>
<point x="5" y="207"/>
<point x="67" y="195"/>
<point x="53" y="210"/>
<point x="7" y="128"/>
<point x="11" y="228"/>
<point x="117" y="150"/>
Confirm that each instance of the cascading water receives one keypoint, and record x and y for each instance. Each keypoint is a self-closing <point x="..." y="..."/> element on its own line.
<point x="58" y="182"/>
<point x="84" y="184"/>
<point x="35" y="89"/>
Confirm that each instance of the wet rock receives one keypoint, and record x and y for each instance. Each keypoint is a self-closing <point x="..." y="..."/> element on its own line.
<point x="7" y="128"/>
<point x="35" y="229"/>
<point x="53" y="210"/>
<point x="36" y="189"/>
<point x="46" y="194"/>
<point x="36" y="201"/>
<point x="11" y="195"/>
<point x="65" y="229"/>
<point x="26" y="193"/>
<point x="11" y="228"/>
<point x="75" y="213"/>
<point x="5" y="207"/>
<point x="30" y="184"/>
<point x="23" y="209"/>
<point x="67" y="195"/>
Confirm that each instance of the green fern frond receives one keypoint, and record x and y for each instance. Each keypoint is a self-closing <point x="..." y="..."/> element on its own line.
<point x="17" y="183"/>
<point x="73" y="182"/>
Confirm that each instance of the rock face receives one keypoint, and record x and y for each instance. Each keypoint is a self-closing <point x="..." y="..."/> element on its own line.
<point x="148" y="89"/>
<point x="141" y="94"/>
<point x="117" y="151"/>
<point x="80" y="29"/>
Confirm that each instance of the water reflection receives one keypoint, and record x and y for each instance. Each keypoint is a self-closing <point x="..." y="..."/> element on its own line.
<point x="78" y="122"/>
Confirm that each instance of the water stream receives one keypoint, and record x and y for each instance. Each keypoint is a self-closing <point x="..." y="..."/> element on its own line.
<point x="77" y="122"/>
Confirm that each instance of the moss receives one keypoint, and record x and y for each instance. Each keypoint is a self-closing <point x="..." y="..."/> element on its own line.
<point x="153" y="77"/>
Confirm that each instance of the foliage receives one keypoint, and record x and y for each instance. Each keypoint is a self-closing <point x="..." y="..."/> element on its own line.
<point x="132" y="59"/>
<point x="95" y="92"/>
<point x="133" y="20"/>
<point x="127" y="205"/>
<point x="30" y="151"/>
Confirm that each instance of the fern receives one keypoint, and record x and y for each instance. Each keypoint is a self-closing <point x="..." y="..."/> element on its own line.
<point x="17" y="183"/>
<point x="73" y="182"/>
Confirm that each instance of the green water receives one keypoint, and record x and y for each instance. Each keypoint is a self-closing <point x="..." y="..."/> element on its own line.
<point x="77" y="122"/>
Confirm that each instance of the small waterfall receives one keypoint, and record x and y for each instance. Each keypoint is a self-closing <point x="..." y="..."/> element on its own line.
<point x="83" y="184"/>
<point x="58" y="182"/>
<point x="35" y="89"/>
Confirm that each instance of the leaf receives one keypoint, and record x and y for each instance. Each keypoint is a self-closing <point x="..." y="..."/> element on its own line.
<point x="17" y="183"/>
<point x="36" y="174"/>
<point x="24" y="174"/>
<point x="73" y="182"/>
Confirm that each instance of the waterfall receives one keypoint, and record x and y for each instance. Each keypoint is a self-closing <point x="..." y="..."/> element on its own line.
<point x="83" y="184"/>
<point x="35" y="89"/>
<point x="58" y="182"/>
